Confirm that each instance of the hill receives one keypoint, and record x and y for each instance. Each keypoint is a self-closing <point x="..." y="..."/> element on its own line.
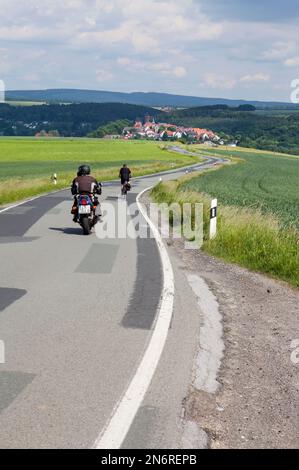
<point x="265" y="131"/>
<point x="137" y="98"/>
<point x="69" y="120"/>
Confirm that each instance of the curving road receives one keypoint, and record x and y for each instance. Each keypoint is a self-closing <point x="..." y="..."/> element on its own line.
<point x="76" y="314"/>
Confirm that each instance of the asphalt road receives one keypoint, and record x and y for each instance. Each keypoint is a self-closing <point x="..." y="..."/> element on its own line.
<point x="76" y="314"/>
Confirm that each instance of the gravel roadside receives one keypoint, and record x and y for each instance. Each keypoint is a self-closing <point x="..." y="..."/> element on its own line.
<point x="257" y="403"/>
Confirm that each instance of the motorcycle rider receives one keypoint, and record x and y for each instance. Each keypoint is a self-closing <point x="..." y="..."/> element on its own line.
<point x="125" y="175"/>
<point x="86" y="184"/>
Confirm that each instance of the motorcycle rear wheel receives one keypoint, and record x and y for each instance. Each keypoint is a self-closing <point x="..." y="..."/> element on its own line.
<point x="86" y="225"/>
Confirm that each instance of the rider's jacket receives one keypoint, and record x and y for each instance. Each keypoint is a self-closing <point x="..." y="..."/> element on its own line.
<point x="86" y="185"/>
<point x="125" y="174"/>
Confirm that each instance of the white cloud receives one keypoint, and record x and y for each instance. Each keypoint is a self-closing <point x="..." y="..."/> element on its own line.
<point x="160" y="45"/>
<point x="280" y="50"/>
<point x="125" y="61"/>
<point x="4" y="63"/>
<point x="258" y="77"/>
<point x="167" y="68"/>
<point x="160" y="68"/>
<point x="31" y="77"/>
<point x="103" y="76"/>
<point x="292" y="62"/>
<point x="150" y="26"/>
<point x="221" y="82"/>
<point x="217" y="81"/>
<point x="180" y="72"/>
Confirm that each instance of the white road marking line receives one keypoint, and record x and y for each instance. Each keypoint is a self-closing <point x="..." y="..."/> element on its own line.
<point x="114" y="433"/>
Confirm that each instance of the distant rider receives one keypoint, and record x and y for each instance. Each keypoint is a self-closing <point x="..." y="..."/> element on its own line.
<point x="125" y="175"/>
<point x="86" y="184"/>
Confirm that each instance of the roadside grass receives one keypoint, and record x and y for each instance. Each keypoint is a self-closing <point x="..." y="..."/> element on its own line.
<point x="26" y="165"/>
<point x="245" y="236"/>
<point x="262" y="180"/>
<point x="18" y="189"/>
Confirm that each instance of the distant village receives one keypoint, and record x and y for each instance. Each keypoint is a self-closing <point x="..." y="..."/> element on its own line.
<point x="151" y="130"/>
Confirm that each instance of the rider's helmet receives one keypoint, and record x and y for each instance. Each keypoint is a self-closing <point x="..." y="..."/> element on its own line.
<point x="84" y="170"/>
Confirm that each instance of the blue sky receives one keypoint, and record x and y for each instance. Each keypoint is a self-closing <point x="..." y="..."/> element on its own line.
<point x="232" y="48"/>
<point x="254" y="10"/>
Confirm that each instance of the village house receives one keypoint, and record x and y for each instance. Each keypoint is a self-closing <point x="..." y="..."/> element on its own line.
<point x="150" y="129"/>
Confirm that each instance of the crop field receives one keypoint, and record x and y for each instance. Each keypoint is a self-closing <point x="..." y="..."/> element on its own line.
<point x="258" y="217"/>
<point x="25" y="103"/>
<point x="262" y="180"/>
<point x="30" y="162"/>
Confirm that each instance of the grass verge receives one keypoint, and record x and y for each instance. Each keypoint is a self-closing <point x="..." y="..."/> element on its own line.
<point x="26" y="165"/>
<point x="20" y="189"/>
<point x="245" y="236"/>
<point x="262" y="180"/>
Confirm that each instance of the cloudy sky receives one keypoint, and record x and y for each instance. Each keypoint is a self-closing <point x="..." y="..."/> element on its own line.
<point x="219" y="48"/>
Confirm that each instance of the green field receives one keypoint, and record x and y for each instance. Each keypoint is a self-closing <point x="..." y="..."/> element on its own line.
<point x="25" y="103"/>
<point x="30" y="162"/>
<point x="269" y="182"/>
<point x="258" y="216"/>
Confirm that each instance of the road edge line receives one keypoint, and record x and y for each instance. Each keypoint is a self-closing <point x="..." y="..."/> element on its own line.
<point x="122" y="417"/>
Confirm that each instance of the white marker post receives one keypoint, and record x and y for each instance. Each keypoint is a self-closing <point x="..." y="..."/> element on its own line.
<point x="54" y="178"/>
<point x="213" y="219"/>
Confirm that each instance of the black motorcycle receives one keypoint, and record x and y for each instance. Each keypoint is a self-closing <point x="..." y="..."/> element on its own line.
<point x="86" y="212"/>
<point x="126" y="188"/>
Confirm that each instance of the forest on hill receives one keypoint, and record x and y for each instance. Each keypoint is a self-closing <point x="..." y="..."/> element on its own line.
<point x="250" y="127"/>
<point x="152" y="99"/>
<point x="75" y="120"/>
<point x="265" y="131"/>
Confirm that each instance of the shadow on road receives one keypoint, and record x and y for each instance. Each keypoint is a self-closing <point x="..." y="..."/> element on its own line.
<point x="68" y="230"/>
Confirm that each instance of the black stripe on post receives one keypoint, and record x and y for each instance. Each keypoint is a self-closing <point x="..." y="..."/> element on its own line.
<point x="213" y="213"/>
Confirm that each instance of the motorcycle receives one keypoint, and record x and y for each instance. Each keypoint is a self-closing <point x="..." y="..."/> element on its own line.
<point x="86" y="211"/>
<point x="125" y="189"/>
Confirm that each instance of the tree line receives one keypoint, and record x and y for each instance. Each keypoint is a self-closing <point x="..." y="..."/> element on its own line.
<point x="264" y="131"/>
<point x="73" y="120"/>
<point x="245" y="124"/>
